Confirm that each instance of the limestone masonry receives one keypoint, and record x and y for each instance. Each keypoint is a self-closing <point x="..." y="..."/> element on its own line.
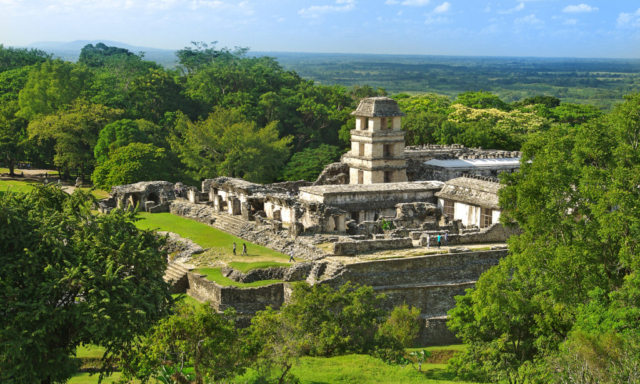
<point x="381" y="199"/>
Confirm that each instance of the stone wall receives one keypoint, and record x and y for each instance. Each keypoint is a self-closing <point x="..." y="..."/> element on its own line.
<point x="244" y="300"/>
<point x="348" y="248"/>
<point x="297" y="272"/>
<point x="434" y="331"/>
<point x="423" y="270"/>
<point x="496" y="233"/>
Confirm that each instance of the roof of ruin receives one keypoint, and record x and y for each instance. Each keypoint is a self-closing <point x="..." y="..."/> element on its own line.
<point x="473" y="191"/>
<point x="142" y="187"/>
<point x="240" y="185"/>
<point x="510" y="162"/>
<point x="415" y="186"/>
<point x="378" y="107"/>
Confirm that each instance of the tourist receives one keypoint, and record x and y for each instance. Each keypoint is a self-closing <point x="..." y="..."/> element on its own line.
<point x="234" y="249"/>
<point x="244" y="249"/>
<point x="439" y="241"/>
<point x="291" y="259"/>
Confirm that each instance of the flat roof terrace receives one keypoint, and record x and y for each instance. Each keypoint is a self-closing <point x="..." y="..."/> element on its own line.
<point x="506" y="162"/>
<point x="356" y="197"/>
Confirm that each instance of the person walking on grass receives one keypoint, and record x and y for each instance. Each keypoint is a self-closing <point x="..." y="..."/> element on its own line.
<point x="291" y="259"/>
<point x="439" y="241"/>
<point x="244" y="250"/>
<point x="234" y="249"/>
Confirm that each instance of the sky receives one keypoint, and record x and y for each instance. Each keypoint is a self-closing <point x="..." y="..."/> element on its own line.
<point x="537" y="28"/>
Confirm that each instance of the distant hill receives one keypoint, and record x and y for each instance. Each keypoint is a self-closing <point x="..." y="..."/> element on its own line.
<point x="70" y="51"/>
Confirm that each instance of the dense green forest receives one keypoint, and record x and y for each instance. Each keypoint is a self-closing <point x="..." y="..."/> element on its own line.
<point x="598" y="82"/>
<point x="116" y="118"/>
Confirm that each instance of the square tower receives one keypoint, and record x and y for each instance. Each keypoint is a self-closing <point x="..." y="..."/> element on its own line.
<point x="377" y="143"/>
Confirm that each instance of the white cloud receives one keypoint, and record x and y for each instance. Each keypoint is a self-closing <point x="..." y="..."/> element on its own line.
<point x="530" y="20"/>
<point x="579" y="8"/>
<point x="518" y="8"/>
<point x="242" y="7"/>
<point x="415" y="3"/>
<point x="570" y="22"/>
<point x="431" y="20"/>
<point x="391" y="2"/>
<point x="443" y="8"/>
<point x="628" y="20"/>
<point x="316" y="11"/>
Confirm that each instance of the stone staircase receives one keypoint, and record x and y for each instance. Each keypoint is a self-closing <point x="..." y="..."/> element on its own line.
<point x="324" y="270"/>
<point x="317" y="271"/>
<point x="228" y="223"/>
<point x="333" y="269"/>
<point x="176" y="275"/>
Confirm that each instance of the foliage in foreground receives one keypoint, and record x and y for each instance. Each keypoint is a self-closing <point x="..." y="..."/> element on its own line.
<point x="565" y="303"/>
<point x="319" y="321"/>
<point x="70" y="277"/>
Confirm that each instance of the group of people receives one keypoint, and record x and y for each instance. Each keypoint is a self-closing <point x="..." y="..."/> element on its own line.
<point x="244" y="252"/>
<point x="440" y="239"/>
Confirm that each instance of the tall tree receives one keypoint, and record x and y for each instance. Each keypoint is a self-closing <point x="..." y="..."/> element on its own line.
<point x="130" y="164"/>
<point x="52" y="86"/>
<point x="71" y="277"/>
<point x="97" y="56"/>
<point x="75" y="132"/>
<point x="226" y="144"/>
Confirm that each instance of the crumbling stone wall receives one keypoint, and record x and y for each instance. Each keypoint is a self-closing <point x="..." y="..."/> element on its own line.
<point x="435" y="269"/>
<point x="244" y="300"/>
<point x="415" y="215"/>
<point x="496" y="233"/>
<point x="297" y="272"/>
<point x="334" y="174"/>
<point x="350" y="248"/>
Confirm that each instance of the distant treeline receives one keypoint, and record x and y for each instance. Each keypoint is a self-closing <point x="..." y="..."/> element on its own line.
<point x="118" y="118"/>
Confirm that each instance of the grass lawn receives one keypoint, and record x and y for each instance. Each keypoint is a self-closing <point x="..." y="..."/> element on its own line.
<point x="16" y="186"/>
<point x="215" y="274"/>
<point x="454" y="347"/>
<point x="186" y="299"/>
<point x="27" y="186"/>
<point x="361" y="369"/>
<point x="89" y="351"/>
<point x="208" y="237"/>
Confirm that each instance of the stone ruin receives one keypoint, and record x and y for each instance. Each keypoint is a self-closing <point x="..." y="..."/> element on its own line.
<point x="152" y="197"/>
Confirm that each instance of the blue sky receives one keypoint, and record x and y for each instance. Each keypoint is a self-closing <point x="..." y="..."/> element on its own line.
<point x="549" y="28"/>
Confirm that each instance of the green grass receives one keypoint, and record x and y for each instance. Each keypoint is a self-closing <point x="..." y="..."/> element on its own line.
<point x="206" y="236"/>
<point x="246" y="267"/>
<point x="186" y="299"/>
<point x="454" y="347"/>
<point x="27" y="186"/>
<point x="215" y="274"/>
<point x="16" y="186"/>
<point x="87" y="378"/>
<point x="361" y="369"/>
<point x="89" y="351"/>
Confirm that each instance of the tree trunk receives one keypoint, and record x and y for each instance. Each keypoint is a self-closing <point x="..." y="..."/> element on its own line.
<point x="12" y="166"/>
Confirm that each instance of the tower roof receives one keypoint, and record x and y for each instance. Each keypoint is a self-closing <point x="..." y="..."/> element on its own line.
<point x="378" y="107"/>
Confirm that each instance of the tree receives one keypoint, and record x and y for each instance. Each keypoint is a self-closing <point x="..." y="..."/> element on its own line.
<point x="226" y="144"/>
<point x="71" y="277"/>
<point x="117" y="135"/>
<point x="482" y="100"/>
<point x="335" y="321"/>
<point x="53" y="85"/>
<point x="97" y="56"/>
<point x="76" y="131"/>
<point x="403" y="324"/>
<point x="193" y="59"/>
<point x="578" y="245"/>
<point x="309" y="163"/>
<point x="548" y="101"/>
<point x="193" y="337"/>
<point x="575" y="114"/>
<point x="14" y="58"/>
<point x="13" y="129"/>
<point x="131" y="164"/>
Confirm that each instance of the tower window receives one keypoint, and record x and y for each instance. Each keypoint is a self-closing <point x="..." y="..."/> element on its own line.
<point x="387" y="150"/>
<point x="360" y="177"/>
<point x="387" y="176"/>
<point x="384" y="123"/>
<point x="361" y="150"/>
